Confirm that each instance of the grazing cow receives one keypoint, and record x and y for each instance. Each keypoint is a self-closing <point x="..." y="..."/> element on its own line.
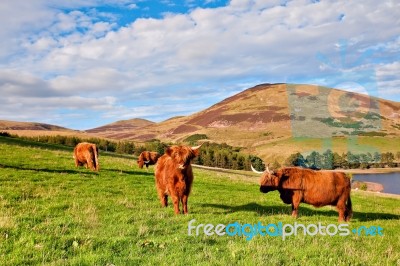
<point x="174" y="176"/>
<point x="317" y="188"/>
<point x="87" y="154"/>
<point x="147" y="158"/>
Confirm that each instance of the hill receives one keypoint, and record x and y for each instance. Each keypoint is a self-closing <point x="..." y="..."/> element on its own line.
<point x="274" y="111"/>
<point x="13" y="125"/>
<point x="121" y="129"/>
<point x="268" y="116"/>
<point x="273" y="121"/>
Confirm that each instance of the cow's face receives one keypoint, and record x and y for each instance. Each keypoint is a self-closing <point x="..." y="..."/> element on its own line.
<point x="182" y="155"/>
<point x="268" y="182"/>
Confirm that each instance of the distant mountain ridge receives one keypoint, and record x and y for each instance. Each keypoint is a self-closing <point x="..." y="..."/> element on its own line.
<point x="270" y="111"/>
<point x="274" y="120"/>
<point x="120" y="129"/>
<point x="13" y="125"/>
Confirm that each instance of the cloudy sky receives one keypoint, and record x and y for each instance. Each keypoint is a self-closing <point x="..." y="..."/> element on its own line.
<point x="86" y="63"/>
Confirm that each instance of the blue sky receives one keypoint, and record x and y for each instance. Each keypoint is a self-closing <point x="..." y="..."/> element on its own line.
<point x="86" y="63"/>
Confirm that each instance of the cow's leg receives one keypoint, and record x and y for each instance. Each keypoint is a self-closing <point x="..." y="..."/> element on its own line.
<point x="89" y="162"/>
<point x="295" y="204"/>
<point x="175" y="200"/>
<point x="163" y="197"/>
<point x="184" y="203"/>
<point x="341" y="207"/>
<point x="164" y="200"/>
<point x="294" y="210"/>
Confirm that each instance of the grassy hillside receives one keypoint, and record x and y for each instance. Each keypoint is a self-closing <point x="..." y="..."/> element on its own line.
<point x="52" y="213"/>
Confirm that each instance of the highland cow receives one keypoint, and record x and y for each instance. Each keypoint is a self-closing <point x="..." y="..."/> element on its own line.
<point x="174" y="176"/>
<point x="317" y="188"/>
<point x="147" y="158"/>
<point x="87" y="154"/>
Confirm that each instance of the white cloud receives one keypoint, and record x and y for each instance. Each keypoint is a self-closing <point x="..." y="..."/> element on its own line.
<point x="84" y="55"/>
<point x="133" y="6"/>
<point x="388" y="80"/>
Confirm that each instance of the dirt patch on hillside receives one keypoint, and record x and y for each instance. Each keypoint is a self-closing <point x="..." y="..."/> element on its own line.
<point x="145" y="137"/>
<point x="184" y="129"/>
<point x="216" y="118"/>
<point x="207" y="118"/>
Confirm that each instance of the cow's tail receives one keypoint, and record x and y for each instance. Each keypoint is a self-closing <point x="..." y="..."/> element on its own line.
<point x="349" y="210"/>
<point x="96" y="160"/>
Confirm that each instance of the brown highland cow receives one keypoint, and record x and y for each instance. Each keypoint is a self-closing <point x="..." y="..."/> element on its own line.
<point x="317" y="188"/>
<point x="87" y="154"/>
<point x="174" y="176"/>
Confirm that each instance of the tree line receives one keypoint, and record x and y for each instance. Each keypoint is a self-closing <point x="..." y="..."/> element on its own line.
<point x="211" y="154"/>
<point x="229" y="157"/>
<point x="333" y="160"/>
<point x="226" y="156"/>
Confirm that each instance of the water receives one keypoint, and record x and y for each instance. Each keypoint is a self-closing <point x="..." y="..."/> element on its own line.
<point x="390" y="181"/>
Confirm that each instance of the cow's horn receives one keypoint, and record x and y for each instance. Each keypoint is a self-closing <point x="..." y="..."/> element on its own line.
<point x="198" y="146"/>
<point x="267" y="169"/>
<point x="255" y="171"/>
<point x="146" y="161"/>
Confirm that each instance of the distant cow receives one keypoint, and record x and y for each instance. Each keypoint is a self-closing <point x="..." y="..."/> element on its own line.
<point x="318" y="188"/>
<point x="87" y="154"/>
<point x="174" y="176"/>
<point x="147" y="158"/>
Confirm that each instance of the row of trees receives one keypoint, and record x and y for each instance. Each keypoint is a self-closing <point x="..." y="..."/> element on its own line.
<point x="212" y="154"/>
<point x="349" y="160"/>
<point x="226" y="156"/>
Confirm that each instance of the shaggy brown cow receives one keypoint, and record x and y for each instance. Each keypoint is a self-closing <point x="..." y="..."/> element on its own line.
<point x="87" y="154"/>
<point x="147" y="158"/>
<point x="318" y="188"/>
<point x="174" y="176"/>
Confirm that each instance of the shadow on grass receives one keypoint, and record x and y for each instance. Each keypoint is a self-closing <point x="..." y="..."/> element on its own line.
<point x="56" y="147"/>
<point x="80" y="170"/>
<point x="131" y="172"/>
<point x="59" y="171"/>
<point x="303" y="211"/>
<point x="40" y="145"/>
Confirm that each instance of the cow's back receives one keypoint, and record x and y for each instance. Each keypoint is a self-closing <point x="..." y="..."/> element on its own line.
<point x="324" y="187"/>
<point x="87" y="153"/>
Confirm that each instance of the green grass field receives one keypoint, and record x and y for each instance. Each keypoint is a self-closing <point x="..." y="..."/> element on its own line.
<point x="52" y="213"/>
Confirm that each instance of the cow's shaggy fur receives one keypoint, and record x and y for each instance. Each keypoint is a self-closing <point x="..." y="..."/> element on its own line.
<point x="317" y="188"/>
<point x="174" y="176"/>
<point x="87" y="154"/>
<point x="147" y="158"/>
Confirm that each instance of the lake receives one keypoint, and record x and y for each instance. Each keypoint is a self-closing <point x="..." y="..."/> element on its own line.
<point x="390" y="181"/>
